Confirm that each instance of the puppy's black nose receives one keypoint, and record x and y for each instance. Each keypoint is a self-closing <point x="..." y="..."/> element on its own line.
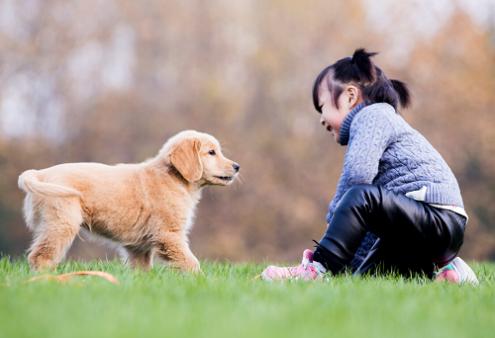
<point x="236" y="167"/>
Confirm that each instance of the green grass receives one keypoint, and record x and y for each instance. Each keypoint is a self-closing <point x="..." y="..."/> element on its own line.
<point x="227" y="302"/>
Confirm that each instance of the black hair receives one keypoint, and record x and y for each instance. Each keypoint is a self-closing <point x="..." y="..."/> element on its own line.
<point x="361" y="71"/>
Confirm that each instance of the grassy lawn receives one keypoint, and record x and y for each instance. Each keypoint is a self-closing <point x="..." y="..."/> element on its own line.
<point x="227" y="302"/>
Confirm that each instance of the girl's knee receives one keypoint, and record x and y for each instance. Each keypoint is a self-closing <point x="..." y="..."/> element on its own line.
<point x="361" y="194"/>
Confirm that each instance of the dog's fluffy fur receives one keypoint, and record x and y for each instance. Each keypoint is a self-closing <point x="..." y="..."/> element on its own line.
<point x="148" y="207"/>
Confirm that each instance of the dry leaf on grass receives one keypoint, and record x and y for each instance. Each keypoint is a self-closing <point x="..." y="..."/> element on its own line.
<point x="67" y="276"/>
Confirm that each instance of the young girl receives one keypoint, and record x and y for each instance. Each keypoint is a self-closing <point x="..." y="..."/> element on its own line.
<point x="395" y="189"/>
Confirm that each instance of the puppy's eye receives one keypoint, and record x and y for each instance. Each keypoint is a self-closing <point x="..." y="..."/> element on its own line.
<point x="212" y="152"/>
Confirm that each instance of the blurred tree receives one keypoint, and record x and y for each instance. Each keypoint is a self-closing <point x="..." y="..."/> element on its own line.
<point x="110" y="81"/>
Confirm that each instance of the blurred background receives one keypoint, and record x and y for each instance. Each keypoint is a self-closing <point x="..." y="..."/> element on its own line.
<point x="110" y="80"/>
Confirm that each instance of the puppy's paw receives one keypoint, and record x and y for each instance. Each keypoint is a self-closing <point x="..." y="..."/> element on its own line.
<point x="190" y="266"/>
<point x="193" y="266"/>
<point x="41" y="264"/>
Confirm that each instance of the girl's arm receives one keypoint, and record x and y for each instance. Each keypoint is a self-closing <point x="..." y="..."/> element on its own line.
<point x="370" y="134"/>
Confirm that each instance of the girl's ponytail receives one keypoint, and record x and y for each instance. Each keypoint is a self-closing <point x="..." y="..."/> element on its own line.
<point x="362" y="59"/>
<point x="403" y="92"/>
<point x="360" y="70"/>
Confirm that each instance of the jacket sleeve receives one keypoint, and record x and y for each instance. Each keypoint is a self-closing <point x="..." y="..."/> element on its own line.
<point x="370" y="134"/>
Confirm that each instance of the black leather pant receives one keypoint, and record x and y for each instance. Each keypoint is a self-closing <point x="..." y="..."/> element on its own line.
<point x="413" y="236"/>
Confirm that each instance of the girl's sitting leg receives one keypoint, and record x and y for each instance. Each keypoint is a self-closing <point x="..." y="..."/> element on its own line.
<point x="413" y="235"/>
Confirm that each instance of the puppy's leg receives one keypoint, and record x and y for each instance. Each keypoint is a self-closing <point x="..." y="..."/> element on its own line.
<point x="61" y="220"/>
<point x="173" y="247"/>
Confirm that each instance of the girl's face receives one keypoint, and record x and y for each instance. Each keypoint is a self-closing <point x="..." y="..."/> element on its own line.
<point x="332" y="117"/>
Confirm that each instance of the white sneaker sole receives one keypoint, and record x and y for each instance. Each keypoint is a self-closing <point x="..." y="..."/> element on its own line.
<point x="465" y="273"/>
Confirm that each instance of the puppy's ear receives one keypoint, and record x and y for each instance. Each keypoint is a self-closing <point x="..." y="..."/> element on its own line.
<point x="185" y="158"/>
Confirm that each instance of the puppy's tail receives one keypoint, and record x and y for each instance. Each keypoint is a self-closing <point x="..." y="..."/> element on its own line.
<point x="29" y="182"/>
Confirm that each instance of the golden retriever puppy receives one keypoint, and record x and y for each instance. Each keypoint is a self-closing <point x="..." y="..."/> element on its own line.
<point x="148" y="207"/>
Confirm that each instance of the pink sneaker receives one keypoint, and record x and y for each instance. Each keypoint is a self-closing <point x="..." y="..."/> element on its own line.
<point x="457" y="272"/>
<point x="307" y="270"/>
